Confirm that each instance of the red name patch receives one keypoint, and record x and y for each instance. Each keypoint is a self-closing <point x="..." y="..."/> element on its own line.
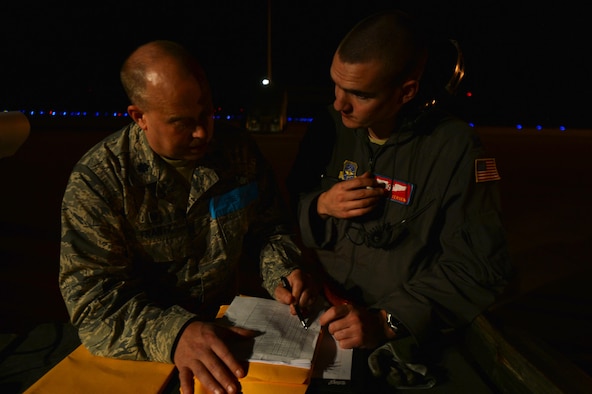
<point x="397" y="191"/>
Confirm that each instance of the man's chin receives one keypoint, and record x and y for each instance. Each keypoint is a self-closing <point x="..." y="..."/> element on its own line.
<point x="194" y="156"/>
<point x="197" y="151"/>
<point x="349" y="122"/>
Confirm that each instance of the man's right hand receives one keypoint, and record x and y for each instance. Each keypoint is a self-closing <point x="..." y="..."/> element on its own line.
<point x="202" y="352"/>
<point x="350" y="198"/>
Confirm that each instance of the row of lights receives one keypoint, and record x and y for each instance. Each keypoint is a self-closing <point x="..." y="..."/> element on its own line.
<point x="74" y="114"/>
<point x="521" y="127"/>
<point x="97" y="114"/>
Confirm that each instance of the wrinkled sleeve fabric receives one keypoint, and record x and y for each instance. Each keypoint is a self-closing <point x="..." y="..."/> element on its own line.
<point x="473" y="266"/>
<point x="104" y="298"/>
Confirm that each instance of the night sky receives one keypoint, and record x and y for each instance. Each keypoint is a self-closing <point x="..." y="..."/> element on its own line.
<point x="525" y="62"/>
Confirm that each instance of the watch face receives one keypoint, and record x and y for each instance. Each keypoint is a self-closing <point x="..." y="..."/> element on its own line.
<point x="392" y="322"/>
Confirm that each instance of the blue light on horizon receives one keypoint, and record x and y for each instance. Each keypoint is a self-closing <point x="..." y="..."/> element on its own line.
<point x="220" y="116"/>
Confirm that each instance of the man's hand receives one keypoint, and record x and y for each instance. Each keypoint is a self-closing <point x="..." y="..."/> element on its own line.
<point x="202" y="352"/>
<point x="304" y="291"/>
<point x="351" y="198"/>
<point x="354" y="327"/>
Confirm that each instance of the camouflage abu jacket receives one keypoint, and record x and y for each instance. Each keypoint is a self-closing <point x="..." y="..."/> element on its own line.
<point x="143" y="251"/>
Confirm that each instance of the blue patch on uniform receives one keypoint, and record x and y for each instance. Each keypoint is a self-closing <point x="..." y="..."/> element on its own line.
<point x="234" y="200"/>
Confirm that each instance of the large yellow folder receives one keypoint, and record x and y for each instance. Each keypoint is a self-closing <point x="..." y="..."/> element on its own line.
<point x="82" y="372"/>
<point x="265" y="378"/>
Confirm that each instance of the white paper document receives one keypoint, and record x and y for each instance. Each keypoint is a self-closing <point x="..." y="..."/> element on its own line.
<point x="283" y="340"/>
<point x="332" y="362"/>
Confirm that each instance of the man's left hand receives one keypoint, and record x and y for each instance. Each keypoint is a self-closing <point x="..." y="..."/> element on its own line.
<point x="354" y="327"/>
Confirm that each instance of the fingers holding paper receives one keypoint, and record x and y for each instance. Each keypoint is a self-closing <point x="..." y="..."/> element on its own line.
<point x="201" y="352"/>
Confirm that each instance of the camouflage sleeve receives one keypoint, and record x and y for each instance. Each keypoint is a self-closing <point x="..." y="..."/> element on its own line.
<point x="279" y="257"/>
<point x="105" y="301"/>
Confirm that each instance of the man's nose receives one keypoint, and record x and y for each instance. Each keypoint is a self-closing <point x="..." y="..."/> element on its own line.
<point x="341" y="104"/>
<point x="200" y="132"/>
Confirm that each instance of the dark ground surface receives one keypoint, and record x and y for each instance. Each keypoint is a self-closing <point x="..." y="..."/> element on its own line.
<point x="546" y="194"/>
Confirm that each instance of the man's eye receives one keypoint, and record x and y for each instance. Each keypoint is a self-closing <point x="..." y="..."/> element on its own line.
<point x="206" y="116"/>
<point x="185" y="125"/>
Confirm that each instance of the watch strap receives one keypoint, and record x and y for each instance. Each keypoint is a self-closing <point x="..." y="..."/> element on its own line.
<point x="393" y="323"/>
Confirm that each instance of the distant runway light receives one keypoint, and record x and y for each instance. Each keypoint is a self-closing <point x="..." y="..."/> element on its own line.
<point x="265" y="82"/>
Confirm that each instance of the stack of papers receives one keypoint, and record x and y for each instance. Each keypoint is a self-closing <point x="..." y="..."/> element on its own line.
<point x="282" y="339"/>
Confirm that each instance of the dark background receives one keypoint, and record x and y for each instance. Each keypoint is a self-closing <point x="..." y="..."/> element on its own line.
<point x="526" y="62"/>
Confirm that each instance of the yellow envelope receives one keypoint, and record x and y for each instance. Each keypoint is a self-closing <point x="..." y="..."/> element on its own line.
<point x="263" y="372"/>
<point x="270" y="379"/>
<point x="263" y="378"/>
<point x="82" y="372"/>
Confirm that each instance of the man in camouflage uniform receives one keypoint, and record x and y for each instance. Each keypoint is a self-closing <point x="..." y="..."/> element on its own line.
<point x="155" y="218"/>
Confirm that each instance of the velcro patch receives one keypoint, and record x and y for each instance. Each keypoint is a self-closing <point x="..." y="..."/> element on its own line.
<point x="397" y="191"/>
<point x="486" y="170"/>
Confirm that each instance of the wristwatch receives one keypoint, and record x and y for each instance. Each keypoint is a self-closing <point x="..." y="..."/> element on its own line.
<point x="393" y="323"/>
<point x="397" y="327"/>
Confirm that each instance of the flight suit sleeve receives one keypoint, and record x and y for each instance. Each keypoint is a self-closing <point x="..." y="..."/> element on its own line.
<point x="474" y="266"/>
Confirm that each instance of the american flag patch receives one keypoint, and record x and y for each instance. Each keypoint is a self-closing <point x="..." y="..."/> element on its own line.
<point x="486" y="170"/>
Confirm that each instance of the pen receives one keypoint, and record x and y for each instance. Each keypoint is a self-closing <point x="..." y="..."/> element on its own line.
<point x="287" y="286"/>
<point x="333" y="178"/>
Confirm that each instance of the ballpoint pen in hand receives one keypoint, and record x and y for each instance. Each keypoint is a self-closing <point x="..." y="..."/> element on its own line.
<point x="337" y="180"/>
<point x="331" y="178"/>
<point x="287" y="286"/>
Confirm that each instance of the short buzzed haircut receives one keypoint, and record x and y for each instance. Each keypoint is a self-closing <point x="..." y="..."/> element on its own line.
<point x="391" y="37"/>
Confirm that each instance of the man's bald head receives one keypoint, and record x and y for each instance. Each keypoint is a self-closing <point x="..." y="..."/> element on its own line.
<point x="155" y="60"/>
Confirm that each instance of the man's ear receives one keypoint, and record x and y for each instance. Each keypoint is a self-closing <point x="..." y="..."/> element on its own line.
<point x="137" y="115"/>
<point x="410" y="89"/>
